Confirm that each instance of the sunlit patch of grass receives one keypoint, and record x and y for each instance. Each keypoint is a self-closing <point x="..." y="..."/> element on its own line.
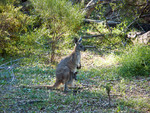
<point x="105" y="61"/>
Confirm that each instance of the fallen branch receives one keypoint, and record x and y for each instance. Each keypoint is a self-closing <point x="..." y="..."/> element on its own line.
<point x="140" y="26"/>
<point x="1" y="66"/>
<point x="91" y="6"/>
<point x="100" y="35"/>
<point x="101" y="21"/>
<point x="139" y="16"/>
<point x="146" y="15"/>
<point x="104" y="36"/>
<point x="136" y="18"/>
<point x="24" y="102"/>
<point x="90" y="46"/>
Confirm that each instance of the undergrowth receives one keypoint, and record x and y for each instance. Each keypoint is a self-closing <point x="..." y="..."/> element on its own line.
<point x="128" y="93"/>
<point x="135" y="61"/>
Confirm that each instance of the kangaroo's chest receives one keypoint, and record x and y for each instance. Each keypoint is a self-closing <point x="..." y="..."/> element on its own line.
<point x="78" y="59"/>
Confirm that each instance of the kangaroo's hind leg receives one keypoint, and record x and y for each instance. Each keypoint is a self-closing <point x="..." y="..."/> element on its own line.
<point x="57" y="83"/>
<point x="71" y="77"/>
<point x="66" y="77"/>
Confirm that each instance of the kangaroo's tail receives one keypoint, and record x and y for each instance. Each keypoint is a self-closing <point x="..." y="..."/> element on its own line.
<point x="57" y="83"/>
<point x="43" y="86"/>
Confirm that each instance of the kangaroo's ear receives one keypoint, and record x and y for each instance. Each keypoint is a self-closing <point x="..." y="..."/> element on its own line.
<point x="80" y="39"/>
<point x="75" y="40"/>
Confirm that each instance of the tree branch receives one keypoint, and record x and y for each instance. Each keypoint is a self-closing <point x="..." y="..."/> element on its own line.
<point x="139" y="16"/>
<point x="91" y="6"/>
<point x="90" y="46"/>
<point x="2" y="66"/>
<point x="101" y="21"/>
<point x="100" y="35"/>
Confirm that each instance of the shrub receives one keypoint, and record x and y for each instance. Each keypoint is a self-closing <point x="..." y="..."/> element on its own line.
<point x="13" y="23"/>
<point x="135" y="61"/>
<point x="60" y="17"/>
<point x="19" y="34"/>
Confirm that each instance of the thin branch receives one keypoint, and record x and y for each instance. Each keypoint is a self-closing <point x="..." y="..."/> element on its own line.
<point x="101" y="21"/>
<point x="59" y="36"/>
<point x="90" y="46"/>
<point x="140" y="27"/>
<point x="1" y="66"/>
<point x="139" y="16"/>
<point x="100" y="35"/>
<point x="147" y="4"/>
<point x="13" y="75"/>
<point x="146" y="15"/>
<point x="91" y="6"/>
<point x="131" y="24"/>
<point x="104" y="36"/>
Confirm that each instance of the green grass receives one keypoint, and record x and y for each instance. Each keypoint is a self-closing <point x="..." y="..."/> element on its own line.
<point x="128" y="93"/>
<point x="135" y="61"/>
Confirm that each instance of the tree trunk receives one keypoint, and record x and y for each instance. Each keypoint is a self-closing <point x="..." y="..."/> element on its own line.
<point x="52" y="60"/>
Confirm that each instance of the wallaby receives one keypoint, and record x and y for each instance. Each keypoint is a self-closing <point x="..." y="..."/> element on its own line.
<point x="66" y="69"/>
<point x="74" y="75"/>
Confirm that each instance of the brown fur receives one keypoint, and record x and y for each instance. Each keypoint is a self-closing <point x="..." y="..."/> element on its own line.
<point x="66" y="69"/>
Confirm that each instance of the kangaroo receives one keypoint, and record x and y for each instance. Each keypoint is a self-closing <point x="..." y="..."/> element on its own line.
<point x="67" y="67"/>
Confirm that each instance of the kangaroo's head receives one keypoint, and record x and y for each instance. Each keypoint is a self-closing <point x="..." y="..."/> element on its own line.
<point x="78" y="45"/>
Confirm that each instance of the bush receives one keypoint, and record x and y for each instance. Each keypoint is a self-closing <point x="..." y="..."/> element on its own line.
<point x="60" y="18"/>
<point x="13" y="24"/>
<point x="20" y="33"/>
<point x="135" y="61"/>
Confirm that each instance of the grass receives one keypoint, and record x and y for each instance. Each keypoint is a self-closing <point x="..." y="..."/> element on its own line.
<point x="128" y="93"/>
<point x="135" y="61"/>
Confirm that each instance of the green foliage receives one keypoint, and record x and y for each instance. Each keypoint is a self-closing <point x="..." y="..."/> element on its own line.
<point x="60" y="16"/>
<point x="13" y="24"/>
<point x="50" y="20"/>
<point x="115" y="35"/>
<point x="135" y="61"/>
<point x="59" y="19"/>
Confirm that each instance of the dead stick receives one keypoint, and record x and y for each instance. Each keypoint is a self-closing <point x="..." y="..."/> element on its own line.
<point x="90" y="46"/>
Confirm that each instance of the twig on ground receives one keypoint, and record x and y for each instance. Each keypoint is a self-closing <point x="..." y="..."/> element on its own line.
<point x="90" y="46"/>
<point x="100" y="35"/>
<point x="102" y="21"/>
<point x="1" y="66"/>
<point x="10" y="70"/>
